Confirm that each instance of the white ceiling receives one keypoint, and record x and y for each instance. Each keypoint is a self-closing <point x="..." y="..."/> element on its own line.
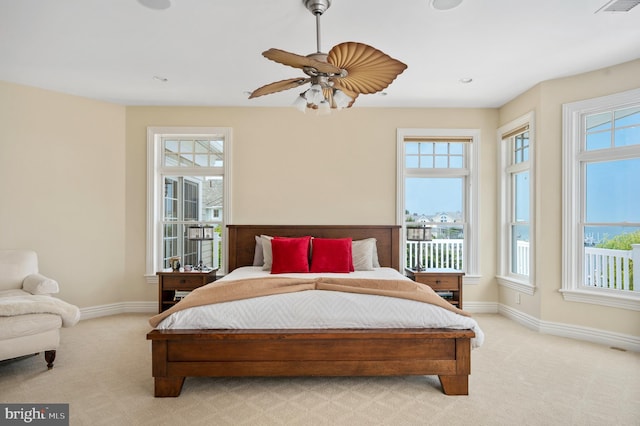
<point x="210" y="50"/>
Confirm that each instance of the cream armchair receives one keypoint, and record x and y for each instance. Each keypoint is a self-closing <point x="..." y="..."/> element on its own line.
<point x="30" y="318"/>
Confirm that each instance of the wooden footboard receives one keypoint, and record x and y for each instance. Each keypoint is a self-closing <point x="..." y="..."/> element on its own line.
<point x="382" y="352"/>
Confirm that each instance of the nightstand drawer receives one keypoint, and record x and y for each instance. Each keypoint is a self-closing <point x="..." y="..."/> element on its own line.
<point x="439" y="282"/>
<point x="181" y="282"/>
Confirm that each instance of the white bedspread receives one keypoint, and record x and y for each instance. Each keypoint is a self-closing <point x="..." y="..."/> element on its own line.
<point x="320" y="309"/>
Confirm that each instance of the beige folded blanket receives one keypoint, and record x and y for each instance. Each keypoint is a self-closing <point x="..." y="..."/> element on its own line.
<point x="226" y="291"/>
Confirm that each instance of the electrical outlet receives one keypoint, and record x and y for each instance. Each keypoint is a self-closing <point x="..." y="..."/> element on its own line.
<point x="517" y="298"/>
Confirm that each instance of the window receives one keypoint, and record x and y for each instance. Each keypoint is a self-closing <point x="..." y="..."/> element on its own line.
<point x="188" y="185"/>
<point x="181" y="207"/>
<point x="437" y="188"/>
<point x="516" y="246"/>
<point x="601" y="218"/>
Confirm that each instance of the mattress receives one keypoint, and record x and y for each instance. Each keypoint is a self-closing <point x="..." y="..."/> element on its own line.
<point x="320" y="309"/>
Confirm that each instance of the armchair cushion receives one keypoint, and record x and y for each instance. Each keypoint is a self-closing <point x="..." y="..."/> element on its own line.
<point x="39" y="284"/>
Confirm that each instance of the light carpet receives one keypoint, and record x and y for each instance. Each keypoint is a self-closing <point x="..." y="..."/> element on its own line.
<point x="519" y="377"/>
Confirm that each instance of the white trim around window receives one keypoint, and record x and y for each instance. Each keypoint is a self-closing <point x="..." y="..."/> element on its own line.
<point x="471" y="202"/>
<point x="154" y="182"/>
<point x="572" y="181"/>
<point x="521" y="283"/>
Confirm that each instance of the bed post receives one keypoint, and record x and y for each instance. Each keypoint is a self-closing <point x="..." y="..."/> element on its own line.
<point x="163" y="386"/>
<point x="458" y="384"/>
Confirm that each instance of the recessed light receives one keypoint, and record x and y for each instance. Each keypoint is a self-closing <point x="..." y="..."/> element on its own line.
<point x="160" y="78"/>
<point x="465" y="80"/>
<point x="382" y="93"/>
<point x="156" y="4"/>
<point x="445" y="4"/>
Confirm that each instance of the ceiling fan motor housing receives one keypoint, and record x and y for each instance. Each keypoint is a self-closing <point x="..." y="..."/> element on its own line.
<point x="317" y="7"/>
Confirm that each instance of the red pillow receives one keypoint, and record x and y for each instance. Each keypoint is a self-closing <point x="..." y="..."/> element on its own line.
<point x="290" y="255"/>
<point x="331" y="255"/>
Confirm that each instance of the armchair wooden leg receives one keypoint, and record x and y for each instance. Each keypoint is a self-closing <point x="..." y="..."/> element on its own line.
<point x="50" y="356"/>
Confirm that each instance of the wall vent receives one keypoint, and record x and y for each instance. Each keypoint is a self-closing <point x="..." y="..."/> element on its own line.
<point x="618" y="6"/>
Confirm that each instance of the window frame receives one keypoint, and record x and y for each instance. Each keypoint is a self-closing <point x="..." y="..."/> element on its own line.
<point x="155" y="181"/>
<point x="505" y="134"/>
<point x="471" y="190"/>
<point x="573" y="176"/>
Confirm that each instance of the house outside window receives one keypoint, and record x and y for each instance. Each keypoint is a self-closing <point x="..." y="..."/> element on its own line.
<point x="516" y="236"/>
<point x="437" y="188"/>
<point x="601" y="218"/>
<point x="188" y="185"/>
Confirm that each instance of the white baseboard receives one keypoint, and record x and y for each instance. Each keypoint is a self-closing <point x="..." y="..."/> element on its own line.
<point x="118" y="308"/>
<point x="616" y="340"/>
<point x="593" y="335"/>
<point x="481" y="307"/>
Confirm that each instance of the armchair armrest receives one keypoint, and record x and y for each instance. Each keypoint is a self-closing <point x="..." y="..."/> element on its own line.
<point x="39" y="284"/>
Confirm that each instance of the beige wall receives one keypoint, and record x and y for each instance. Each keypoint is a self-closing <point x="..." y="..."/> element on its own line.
<point x="62" y="176"/>
<point x="73" y="172"/>
<point x="546" y="101"/>
<point x="295" y="168"/>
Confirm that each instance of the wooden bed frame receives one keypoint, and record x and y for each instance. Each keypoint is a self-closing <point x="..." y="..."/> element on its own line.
<point x="177" y="354"/>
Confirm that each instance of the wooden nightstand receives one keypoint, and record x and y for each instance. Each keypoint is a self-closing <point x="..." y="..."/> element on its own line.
<point x="446" y="282"/>
<point x="170" y="282"/>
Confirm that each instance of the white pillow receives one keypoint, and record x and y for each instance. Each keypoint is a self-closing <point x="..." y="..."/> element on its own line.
<point x="39" y="284"/>
<point x="365" y="254"/>
<point x="258" y="254"/>
<point x="266" y="252"/>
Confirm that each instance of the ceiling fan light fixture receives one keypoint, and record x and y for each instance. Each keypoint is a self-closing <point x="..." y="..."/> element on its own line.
<point x="341" y="99"/>
<point x="314" y="95"/>
<point x="300" y="103"/>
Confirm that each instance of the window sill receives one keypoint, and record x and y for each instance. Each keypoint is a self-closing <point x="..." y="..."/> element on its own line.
<point x="603" y="297"/>
<point x="517" y="285"/>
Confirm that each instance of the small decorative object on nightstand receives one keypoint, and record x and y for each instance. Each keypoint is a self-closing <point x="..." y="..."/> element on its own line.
<point x="172" y="286"/>
<point x="446" y="282"/>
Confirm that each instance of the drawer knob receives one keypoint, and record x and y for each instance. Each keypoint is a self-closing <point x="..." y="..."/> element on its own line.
<point x="182" y="281"/>
<point x="438" y="281"/>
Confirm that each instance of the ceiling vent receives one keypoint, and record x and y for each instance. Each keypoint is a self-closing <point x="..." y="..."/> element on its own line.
<point x="618" y="6"/>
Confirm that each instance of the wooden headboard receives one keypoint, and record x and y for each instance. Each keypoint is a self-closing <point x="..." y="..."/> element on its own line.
<point x="242" y="241"/>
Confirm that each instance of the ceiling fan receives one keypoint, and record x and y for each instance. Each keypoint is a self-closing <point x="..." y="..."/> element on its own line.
<point x="337" y="78"/>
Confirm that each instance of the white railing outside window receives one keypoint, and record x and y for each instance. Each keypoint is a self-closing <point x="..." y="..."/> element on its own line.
<point x="522" y="257"/>
<point x="436" y="254"/>
<point x="603" y="268"/>
<point x="613" y="269"/>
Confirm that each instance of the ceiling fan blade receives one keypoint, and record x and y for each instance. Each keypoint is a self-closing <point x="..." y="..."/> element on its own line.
<point x="299" y="61"/>
<point x="279" y="86"/>
<point x="369" y="69"/>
